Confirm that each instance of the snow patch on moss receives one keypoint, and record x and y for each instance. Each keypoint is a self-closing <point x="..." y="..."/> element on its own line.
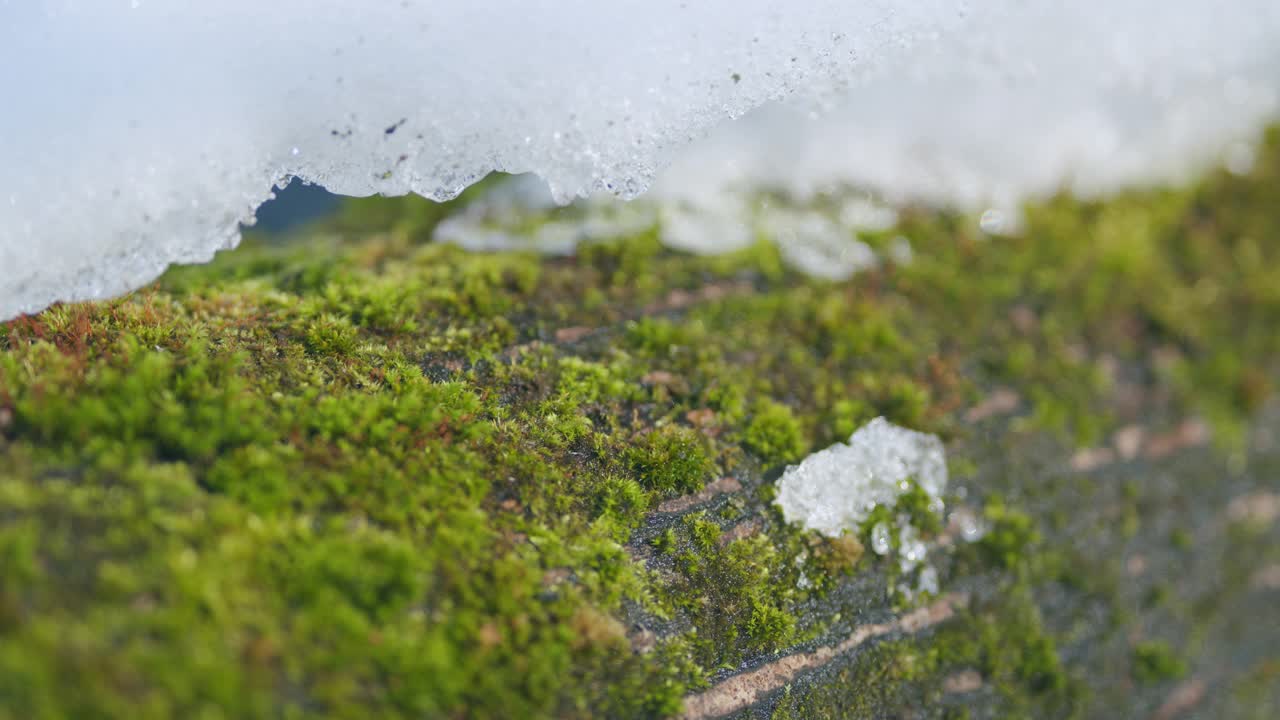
<point x="834" y="490"/>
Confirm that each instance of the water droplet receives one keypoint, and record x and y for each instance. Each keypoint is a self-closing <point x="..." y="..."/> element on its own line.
<point x="880" y="539"/>
<point x="992" y="222"/>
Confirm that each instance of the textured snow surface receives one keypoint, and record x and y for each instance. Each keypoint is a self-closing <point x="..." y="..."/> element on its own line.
<point x="834" y="490"/>
<point x="1027" y="98"/>
<point x="136" y="133"/>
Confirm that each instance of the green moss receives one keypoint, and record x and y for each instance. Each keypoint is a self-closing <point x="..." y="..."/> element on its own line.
<point x="914" y="506"/>
<point x="1254" y="694"/>
<point x="837" y="556"/>
<point x="1005" y="643"/>
<point x="586" y="382"/>
<point x="774" y="434"/>
<point x="922" y="509"/>
<point x="1010" y="536"/>
<point x="371" y="475"/>
<point x="1013" y="648"/>
<point x="671" y="460"/>
<point x="331" y="335"/>
<point x="737" y="593"/>
<point x="1154" y="661"/>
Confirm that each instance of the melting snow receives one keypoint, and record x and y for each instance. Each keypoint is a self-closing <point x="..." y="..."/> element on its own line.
<point x="134" y="135"/>
<point x="832" y="491"/>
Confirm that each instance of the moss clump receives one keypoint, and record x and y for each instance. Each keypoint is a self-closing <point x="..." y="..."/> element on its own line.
<point x="331" y="335"/>
<point x="671" y="460"/>
<point x="1155" y="661"/>
<point x="837" y="556"/>
<point x="774" y="434"/>
<point x="737" y="592"/>
<point x="1010" y="536"/>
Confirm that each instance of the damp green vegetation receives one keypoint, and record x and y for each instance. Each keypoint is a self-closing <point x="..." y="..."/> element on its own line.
<point x="1010" y="536"/>
<point x="999" y="638"/>
<point x="774" y="434"/>
<point x="735" y="591"/>
<point x="914" y="504"/>
<point x="670" y="460"/>
<point x="1007" y="647"/>
<point x="362" y="474"/>
<point x="1154" y="661"/>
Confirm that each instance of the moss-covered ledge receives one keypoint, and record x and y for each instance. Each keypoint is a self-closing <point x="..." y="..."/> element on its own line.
<point x="365" y="475"/>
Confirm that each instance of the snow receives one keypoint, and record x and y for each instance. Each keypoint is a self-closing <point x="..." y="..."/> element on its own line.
<point x="834" y="490"/>
<point x="135" y="134"/>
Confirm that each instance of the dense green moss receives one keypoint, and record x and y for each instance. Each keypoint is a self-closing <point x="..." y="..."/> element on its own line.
<point x="1010" y="536"/>
<point x="370" y="475"/>
<point x="737" y="593"/>
<point x="670" y="460"/>
<point x="1155" y="661"/>
<point x="774" y="434"/>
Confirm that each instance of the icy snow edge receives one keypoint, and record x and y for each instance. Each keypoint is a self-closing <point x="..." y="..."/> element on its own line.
<point x="138" y="133"/>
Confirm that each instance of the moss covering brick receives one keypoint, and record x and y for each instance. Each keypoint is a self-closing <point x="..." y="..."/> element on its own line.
<point x="361" y="474"/>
